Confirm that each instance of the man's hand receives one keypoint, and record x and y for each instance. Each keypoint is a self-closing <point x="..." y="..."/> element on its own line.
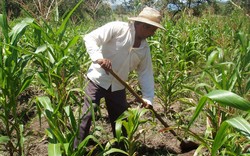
<point x="105" y="64"/>
<point x="145" y="105"/>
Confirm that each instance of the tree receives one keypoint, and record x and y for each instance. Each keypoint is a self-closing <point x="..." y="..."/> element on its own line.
<point x="242" y="5"/>
<point x="12" y="8"/>
<point x="92" y="7"/>
<point x="56" y="9"/>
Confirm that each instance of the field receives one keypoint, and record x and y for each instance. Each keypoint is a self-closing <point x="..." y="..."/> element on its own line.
<point x="201" y="68"/>
<point x="152" y="141"/>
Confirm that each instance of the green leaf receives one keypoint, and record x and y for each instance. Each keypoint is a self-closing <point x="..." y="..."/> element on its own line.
<point x="199" y="107"/>
<point x="222" y="97"/>
<point x="115" y="150"/>
<point x="248" y="84"/>
<point x="45" y="81"/>
<point x="61" y="61"/>
<point x="66" y="147"/>
<point x="45" y="102"/>
<point x="26" y="82"/>
<point x="86" y="140"/>
<point x="71" y="117"/>
<point x="4" y="25"/>
<point x="219" y="138"/>
<point x="51" y="56"/>
<point x="4" y="139"/>
<point x="240" y="124"/>
<point x="41" y="48"/>
<point x="212" y="57"/>
<point x="62" y="28"/>
<point x="54" y="129"/>
<point x="41" y="77"/>
<point x="19" y="29"/>
<point x="72" y="42"/>
<point x="118" y="129"/>
<point x="228" y="98"/>
<point x="54" y="149"/>
<point x="21" y="138"/>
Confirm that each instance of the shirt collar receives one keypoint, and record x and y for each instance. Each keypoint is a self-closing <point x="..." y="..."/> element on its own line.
<point x="143" y="42"/>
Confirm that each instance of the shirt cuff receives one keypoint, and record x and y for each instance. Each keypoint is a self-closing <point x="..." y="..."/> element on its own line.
<point x="148" y="101"/>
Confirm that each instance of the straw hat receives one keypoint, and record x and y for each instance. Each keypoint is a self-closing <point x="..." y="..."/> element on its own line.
<point x="150" y="16"/>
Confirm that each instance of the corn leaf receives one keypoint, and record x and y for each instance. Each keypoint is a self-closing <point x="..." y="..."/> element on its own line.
<point x="54" y="149"/>
<point x="41" y="48"/>
<point x="248" y="85"/>
<point x="46" y="83"/>
<point x="66" y="147"/>
<point x="26" y="82"/>
<point x="115" y="150"/>
<point x="45" y="102"/>
<point x="199" y="107"/>
<point x="4" y="139"/>
<point x="240" y="124"/>
<point x="118" y="129"/>
<point x="62" y="28"/>
<point x="212" y="57"/>
<point x="220" y="138"/>
<point x="4" y="25"/>
<point x="222" y="97"/>
<point x="227" y="98"/>
<point x="72" y="42"/>
<point x="54" y="130"/>
<point x="86" y="140"/>
<point x="71" y="117"/>
<point x="19" y="29"/>
<point x="21" y="131"/>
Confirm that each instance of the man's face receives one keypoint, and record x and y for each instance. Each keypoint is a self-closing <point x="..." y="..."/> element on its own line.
<point x="147" y="31"/>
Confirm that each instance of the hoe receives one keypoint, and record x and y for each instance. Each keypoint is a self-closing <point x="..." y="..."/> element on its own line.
<point x="185" y="146"/>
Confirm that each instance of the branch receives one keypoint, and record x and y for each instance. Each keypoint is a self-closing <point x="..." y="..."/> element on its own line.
<point x="238" y="7"/>
<point x="48" y="11"/>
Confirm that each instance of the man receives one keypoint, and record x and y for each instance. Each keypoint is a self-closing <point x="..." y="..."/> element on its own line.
<point x="122" y="47"/>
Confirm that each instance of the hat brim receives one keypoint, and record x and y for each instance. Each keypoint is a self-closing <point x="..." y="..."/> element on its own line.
<point x="144" y="20"/>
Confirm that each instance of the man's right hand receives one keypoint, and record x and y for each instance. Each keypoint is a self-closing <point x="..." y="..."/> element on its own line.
<point x="105" y="64"/>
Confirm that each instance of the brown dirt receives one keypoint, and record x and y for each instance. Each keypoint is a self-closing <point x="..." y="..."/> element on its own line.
<point x="153" y="142"/>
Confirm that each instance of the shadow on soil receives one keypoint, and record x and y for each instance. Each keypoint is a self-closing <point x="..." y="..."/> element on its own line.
<point x="152" y="151"/>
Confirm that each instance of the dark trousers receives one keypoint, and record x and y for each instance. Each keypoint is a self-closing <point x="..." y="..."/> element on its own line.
<point x="115" y="101"/>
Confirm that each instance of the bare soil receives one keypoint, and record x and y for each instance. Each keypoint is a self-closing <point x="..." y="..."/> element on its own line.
<point x="154" y="140"/>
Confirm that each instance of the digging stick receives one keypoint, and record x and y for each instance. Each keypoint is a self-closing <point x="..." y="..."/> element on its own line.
<point x="185" y="145"/>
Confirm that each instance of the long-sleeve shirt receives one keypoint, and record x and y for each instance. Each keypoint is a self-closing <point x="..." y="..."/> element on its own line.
<point x="114" y="41"/>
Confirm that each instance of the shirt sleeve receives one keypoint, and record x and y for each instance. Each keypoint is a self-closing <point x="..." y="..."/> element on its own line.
<point x="146" y="78"/>
<point x="95" y="39"/>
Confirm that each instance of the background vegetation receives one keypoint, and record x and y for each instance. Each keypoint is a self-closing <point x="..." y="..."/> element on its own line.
<point x="201" y="62"/>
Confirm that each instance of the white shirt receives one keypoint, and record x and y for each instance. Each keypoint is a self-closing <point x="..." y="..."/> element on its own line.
<point x="115" y="41"/>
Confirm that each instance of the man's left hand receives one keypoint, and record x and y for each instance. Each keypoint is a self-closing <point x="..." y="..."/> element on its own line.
<point x="146" y="105"/>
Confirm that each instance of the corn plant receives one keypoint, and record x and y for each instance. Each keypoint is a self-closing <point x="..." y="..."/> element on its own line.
<point x="167" y="67"/>
<point x="60" y="141"/>
<point x="57" y="63"/>
<point x="176" y="54"/>
<point x="13" y="81"/>
<point x="226" y="141"/>
<point x="226" y="75"/>
<point x="232" y="141"/>
<point x="130" y="120"/>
